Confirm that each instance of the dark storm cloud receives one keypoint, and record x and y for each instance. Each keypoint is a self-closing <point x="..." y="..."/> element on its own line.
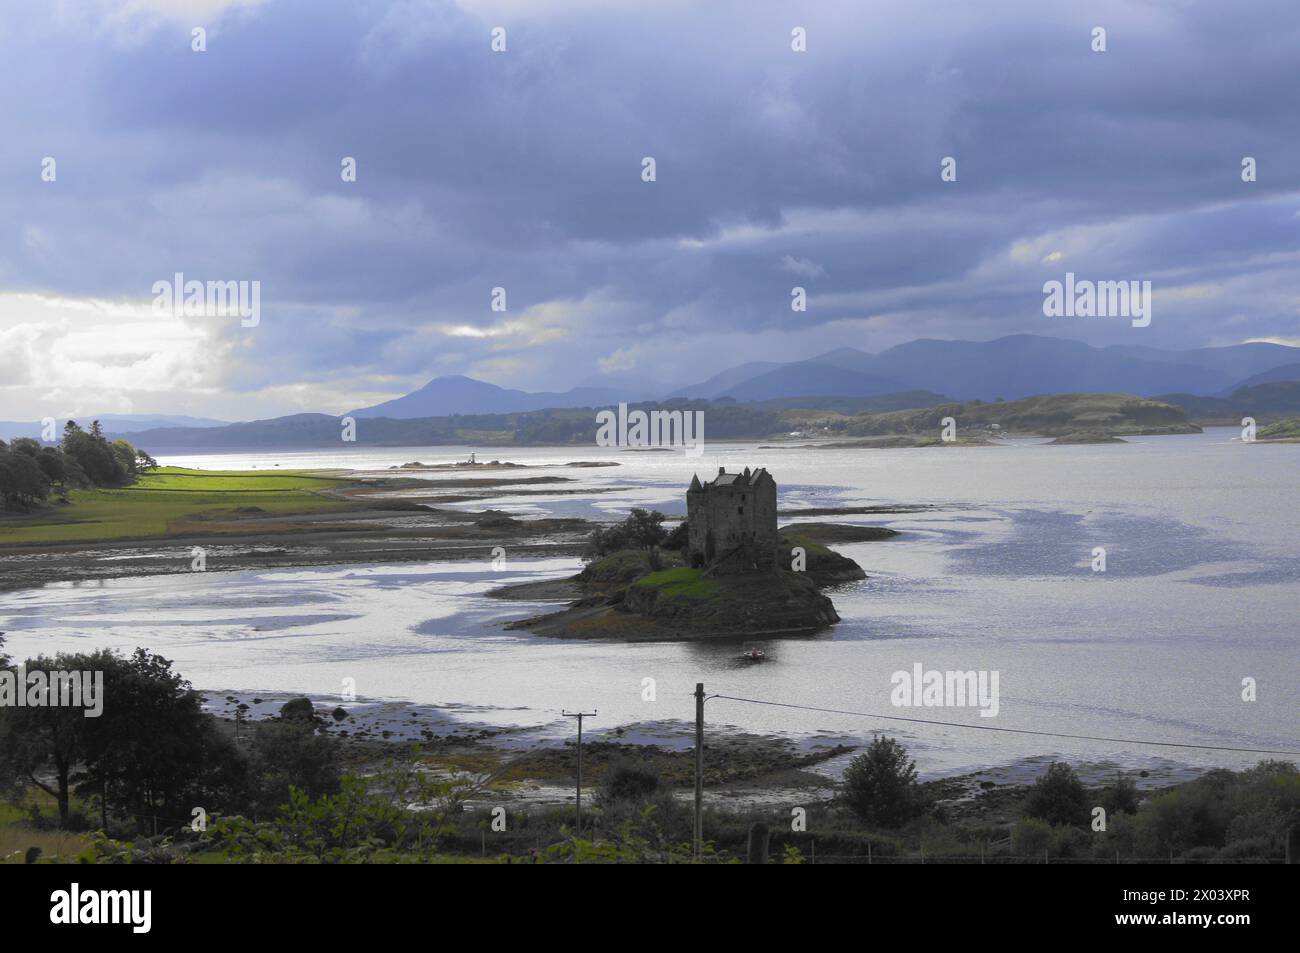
<point x="775" y="168"/>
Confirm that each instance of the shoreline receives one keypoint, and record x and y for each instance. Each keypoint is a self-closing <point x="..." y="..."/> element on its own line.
<point x="419" y="534"/>
<point x="29" y="567"/>
<point x="392" y="519"/>
<point x="533" y="766"/>
<point x="379" y="520"/>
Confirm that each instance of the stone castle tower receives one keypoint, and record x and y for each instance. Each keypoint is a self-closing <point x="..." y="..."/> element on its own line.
<point x="732" y="520"/>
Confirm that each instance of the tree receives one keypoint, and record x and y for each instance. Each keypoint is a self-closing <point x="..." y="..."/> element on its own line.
<point x="73" y="475"/>
<point x="645" y="529"/>
<point x="641" y="529"/>
<point x="8" y="481"/>
<point x="224" y="781"/>
<point x="679" y="538"/>
<point x="125" y="454"/>
<point x="1058" y="797"/>
<point x="44" y="744"/>
<point x="93" y="454"/>
<point x="22" y="482"/>
<point x="1121" y="797"/>
<point x="290" y="754"/>
<point x="601" y="542"/>
<point x="33" y="487"/>
<point x="50" y="460"/>
<point x="28" y="470"/>
<point x="880" y="786"/>
<point x="144" y="752"/>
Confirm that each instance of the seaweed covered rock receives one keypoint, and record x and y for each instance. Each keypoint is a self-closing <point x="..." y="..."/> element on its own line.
<point x="298" y="709"/>
<point x="824" y="565"/>
<point x="1085" y="437"/>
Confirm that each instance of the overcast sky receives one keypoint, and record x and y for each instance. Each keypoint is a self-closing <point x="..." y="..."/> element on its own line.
<point x="523" y="169"/>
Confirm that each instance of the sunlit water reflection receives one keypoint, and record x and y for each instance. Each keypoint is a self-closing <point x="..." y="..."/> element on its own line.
<point x="1202" y="589"/>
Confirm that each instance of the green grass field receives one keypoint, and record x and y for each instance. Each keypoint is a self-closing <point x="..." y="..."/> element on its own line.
<point x="680" y="583"/>
<point x="173" y="501"/>
<point x="17" y="835"/>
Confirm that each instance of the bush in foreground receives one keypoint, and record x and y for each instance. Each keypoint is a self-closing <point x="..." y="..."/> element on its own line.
<point x="880" y="786"/>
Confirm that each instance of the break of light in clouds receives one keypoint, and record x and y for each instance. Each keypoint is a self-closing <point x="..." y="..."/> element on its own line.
<point x="522" y="170"/>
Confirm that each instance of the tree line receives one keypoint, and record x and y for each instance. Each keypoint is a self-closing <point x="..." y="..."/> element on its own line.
<point x="153" y="754"/>
<point x="31" y="472"/>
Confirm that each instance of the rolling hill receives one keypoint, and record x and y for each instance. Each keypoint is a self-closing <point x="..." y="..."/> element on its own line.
<point x="1264" y="402"/>
<point x="1013" y="367"/>
<point x="120" y="424"/>
<point x="445" y="396"/>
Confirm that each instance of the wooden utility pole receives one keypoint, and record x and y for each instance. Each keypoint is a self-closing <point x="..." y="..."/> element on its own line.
<point x="699" y="770"/>
<point x="579" y="715"/>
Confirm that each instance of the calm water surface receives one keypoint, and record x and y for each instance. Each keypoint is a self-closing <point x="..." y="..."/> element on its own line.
<point x="1202" y="589"/>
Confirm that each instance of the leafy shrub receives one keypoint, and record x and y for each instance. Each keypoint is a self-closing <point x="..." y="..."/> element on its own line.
<point x="1035" y="839"/>
<point x="290" y="754"/>
<point x="1031" y="837"/>
<point x="1250" y="850"/>
<point x="367" y="819"/>
<point x="626" y="781"/>
<point x="1121" y="797"/>
<point x="678" y="538"/>
<point x="1193" y="815"/>
<point x="642" y="529"/>
<point x="880" y="786"/>
<point x="1058" y="797"/>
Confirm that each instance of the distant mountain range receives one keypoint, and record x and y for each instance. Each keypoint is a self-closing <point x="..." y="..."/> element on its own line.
<point x="446" y="396"/>
<point x="1263" y="401"/>
<point x="874" y="404"/>
<point x="1215" y="384"/>
<point x="1022" y="365"/>
<point x="120" y="424"/>
<point x="1058" y="414"/>
<point x="1287" y="372"/>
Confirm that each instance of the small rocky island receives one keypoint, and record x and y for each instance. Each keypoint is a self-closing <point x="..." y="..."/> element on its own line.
<point x="1086" y="437"/>
<point x="726" y="571"/>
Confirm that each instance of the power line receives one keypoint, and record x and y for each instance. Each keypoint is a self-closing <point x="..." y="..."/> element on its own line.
<point x="1016" y="731"/>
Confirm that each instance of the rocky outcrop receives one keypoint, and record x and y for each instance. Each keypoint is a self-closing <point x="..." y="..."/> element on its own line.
<point x="1287" y="431"/>
<point x="298" y="709"/>
<point x="825" y="566"/>
<point x="753" y="603"/>
<point x="1084" y="437"/>
<point x="622" y="599"/>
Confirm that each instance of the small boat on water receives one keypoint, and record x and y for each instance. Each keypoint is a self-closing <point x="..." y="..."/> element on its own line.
<point x="754" y="654"/>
